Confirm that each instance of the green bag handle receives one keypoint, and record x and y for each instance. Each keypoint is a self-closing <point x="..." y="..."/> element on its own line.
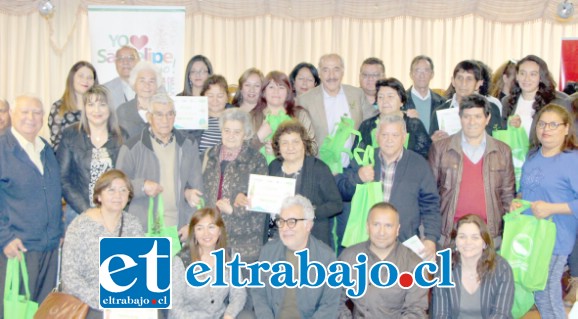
<point x="160" y="213"/>
<point x="368" y="156"/>
<point x="349" y="129"/>
<point x="14" y="272"/>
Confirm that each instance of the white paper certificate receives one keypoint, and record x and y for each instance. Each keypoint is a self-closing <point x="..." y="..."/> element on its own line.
<point x="266" y="193"/>
<point x="192" y="112"/>
<point x="449" y="120"/>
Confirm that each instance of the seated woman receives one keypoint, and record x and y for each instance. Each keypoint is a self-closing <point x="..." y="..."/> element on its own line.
<point x="207" y="233"/>
<point x="390" y="97"/>
<point x="303" y="78"/>
<point x="198" y="70"/>
<point x="484" y="280"/>
<point x="80" y="263"/>
<point x="226" y="168"/>
<point x="247" y="95"/>
<point x="87" y="150"/>
<point x="296" y="159"/>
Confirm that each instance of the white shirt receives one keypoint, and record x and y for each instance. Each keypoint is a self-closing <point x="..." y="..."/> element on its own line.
<point x="416" y="94"/>
<point x="335" y="108"/>
<point x="526" y="112"/>
<point x="474" y="153"/>
<point x="33" y="150"/>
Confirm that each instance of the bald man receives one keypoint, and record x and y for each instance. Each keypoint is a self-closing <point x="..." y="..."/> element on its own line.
<point x="30" y="199"/>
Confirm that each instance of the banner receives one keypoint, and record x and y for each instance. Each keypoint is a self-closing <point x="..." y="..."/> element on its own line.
<point x="158" y="33"/>
<point x="568" y="62"/>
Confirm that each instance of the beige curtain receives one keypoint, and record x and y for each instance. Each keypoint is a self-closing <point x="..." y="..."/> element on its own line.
<point x="36" y="54"/>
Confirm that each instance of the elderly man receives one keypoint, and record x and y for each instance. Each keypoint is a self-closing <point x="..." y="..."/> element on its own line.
<point x="162" y="161"/>
<point x="394" y="302"/>
<point x="4" y="116"/>
<point x="295" y="222"/>
<point x="474" y="172"/>
<point x="408" y="183"/>
<point x="120" y="90"/>
<point x="372" y="69"/>
<point x="421" y="100"/>
<point x="30" y="197"/>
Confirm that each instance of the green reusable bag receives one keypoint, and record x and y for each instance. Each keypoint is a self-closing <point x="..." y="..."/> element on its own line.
<point x="366" y="195"/>
<point x="157" y="228"/>
<point x="517" y="139"/>
<point x="527" y="244"/>
<point x="523" y="301"/>
<point x="374" y="137"/>
<point x="334" y="144"/>
<point x="274" y="122"/>
<point x="17" y="306"/>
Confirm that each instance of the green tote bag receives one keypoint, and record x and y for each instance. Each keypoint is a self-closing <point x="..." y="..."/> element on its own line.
<point x="517" y="139"/>
<point x="157" y="228"/>
<point x="17" y="306"/>
<point x="334" y="144"/>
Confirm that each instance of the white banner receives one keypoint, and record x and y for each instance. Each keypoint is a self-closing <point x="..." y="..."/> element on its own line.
<point x="158" y="33"/>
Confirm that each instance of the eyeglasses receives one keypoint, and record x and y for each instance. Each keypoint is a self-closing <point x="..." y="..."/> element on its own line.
<point x="370" y="75"/>
<point x="551" y="125"/>
<point x="160" y="115"/>
<point x="291" y="222"/>
<point x="197" y="73"/>
<point x="126" y="58"/>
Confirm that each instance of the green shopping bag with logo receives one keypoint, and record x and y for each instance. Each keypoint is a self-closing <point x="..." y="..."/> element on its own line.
<point x="527" y="245"/>
<point x="523" y="301"/>
<point x="374" y="137"/>
<point x="366" y="195"/>
<point x="274" y="122"/>
<point x="517" y="139"/>
<point x="156" y="226"/>
<point x="17" y="306"/>
<point x="334" y="144"/>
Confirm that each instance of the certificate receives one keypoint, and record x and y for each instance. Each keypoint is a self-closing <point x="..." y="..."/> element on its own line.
<point x="266" y="193"/>
<point x="449" y="120"/>
<point x="192" y="112"/>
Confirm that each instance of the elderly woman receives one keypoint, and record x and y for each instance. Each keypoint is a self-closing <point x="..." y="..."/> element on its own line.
<point x="207" y="233"/>
<point x="276" y="104"/>
<point x="80" y="265"/>
<point x="145" y="79"/>
<point x="88" y="149"/>
<point x="303" y="78"/>
<point x="390" y="98"/>
<point x="247" y="95"/>
<point x="296" y="159"/>
<point x="198" y="70"/>
<point x="215" y="88"/>
<point x="226" y="170"/>
<point x="484" y="280"/>
<point x="66" y="111"/>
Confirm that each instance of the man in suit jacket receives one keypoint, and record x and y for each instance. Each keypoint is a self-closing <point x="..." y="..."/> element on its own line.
<point x="120" y="91"/>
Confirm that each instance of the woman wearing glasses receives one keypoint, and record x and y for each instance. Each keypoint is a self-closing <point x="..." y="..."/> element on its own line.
<point x="198" y="70"/>
<point x="550" y="182"/>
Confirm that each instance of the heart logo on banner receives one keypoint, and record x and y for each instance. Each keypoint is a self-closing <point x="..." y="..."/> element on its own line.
<point x="139" y="42"/>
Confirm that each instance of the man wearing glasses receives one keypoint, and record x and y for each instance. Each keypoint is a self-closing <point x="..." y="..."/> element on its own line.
<point x="372" y="69"/>
<point x="120" y="91"/>
<point x="295" y="222"/>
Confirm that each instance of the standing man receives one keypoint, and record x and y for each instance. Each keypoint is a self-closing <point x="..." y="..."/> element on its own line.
<point x="125" y="60"/>
<point x="383" y="246"/>
<point x="295" y="223"/>
<point x="4" y="116"/>
<point x="473" y="171"/>
<point x="162" y="161"/>
<point x="421" y="100"/>
<point x="30" y="199"/>
<point x="372" y="69"/>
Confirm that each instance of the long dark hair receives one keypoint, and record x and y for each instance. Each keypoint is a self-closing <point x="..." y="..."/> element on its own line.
<point x="217" y="219"/>
<point x="487" y="262"/>
<point x="69" y="96"/>
<point x="546" y="88"/>
<point x="188" y="86"/>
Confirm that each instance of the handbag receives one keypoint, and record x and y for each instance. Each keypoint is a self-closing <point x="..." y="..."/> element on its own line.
<point x="334" y="144"/>
<point x="527" y="245"/>
<point x="17" y="306"/>
<point x="366" y="195"/>
<point x="59" y="305"/>
<point x="517" y="139"/>
<point x="156" y="226"/>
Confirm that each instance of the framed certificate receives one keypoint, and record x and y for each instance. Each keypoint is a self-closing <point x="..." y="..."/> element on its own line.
<point x="266" y="193"/>
<point x="449" y="120"/>
<point x="192" y="112"/>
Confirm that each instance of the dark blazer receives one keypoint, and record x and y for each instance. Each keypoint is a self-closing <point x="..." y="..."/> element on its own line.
<point x="495" y="121"/>
<point x="129" y="119"/>
<point x="414" y="194"/>
<point x="318" y="185"/>
<point x="74" y="155"/>
<point x="436" y="100"/>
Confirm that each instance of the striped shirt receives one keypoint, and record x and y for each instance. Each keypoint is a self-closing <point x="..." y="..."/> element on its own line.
<point x="210" y="136"/>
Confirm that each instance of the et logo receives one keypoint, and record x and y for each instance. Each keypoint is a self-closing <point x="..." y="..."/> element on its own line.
<point x="135" y="272"/>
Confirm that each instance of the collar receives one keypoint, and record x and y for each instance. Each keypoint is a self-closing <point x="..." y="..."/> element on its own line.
<point x="454" y="102"/>
<point x="159" y="141"/>
<point x="455" y="143"/>
<point x="416" y="94"/>
<point x="392" y="253"/>
<point x="465" y="141"/>
<point x="327" y="96"/>
<point x="37" y="146"/>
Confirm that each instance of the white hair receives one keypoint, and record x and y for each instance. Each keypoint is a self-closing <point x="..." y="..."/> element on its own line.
<point x="161" y="98"/>
<point x="142" y="66"/>
<point x="301" y="201"/>
<point x="392" y="118"/>
<point x="236" y="114"/>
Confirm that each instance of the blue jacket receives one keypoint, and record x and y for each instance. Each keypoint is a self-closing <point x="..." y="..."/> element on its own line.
<point x="30" y="202"/>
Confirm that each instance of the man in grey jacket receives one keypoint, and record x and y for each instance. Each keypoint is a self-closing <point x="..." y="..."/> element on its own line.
<point x="295" y="222"/>
<point x="162" y="161"/>
<point x="120" y="91"/>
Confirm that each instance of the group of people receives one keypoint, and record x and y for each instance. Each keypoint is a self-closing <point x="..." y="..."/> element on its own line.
<point x="114" y="151"/>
